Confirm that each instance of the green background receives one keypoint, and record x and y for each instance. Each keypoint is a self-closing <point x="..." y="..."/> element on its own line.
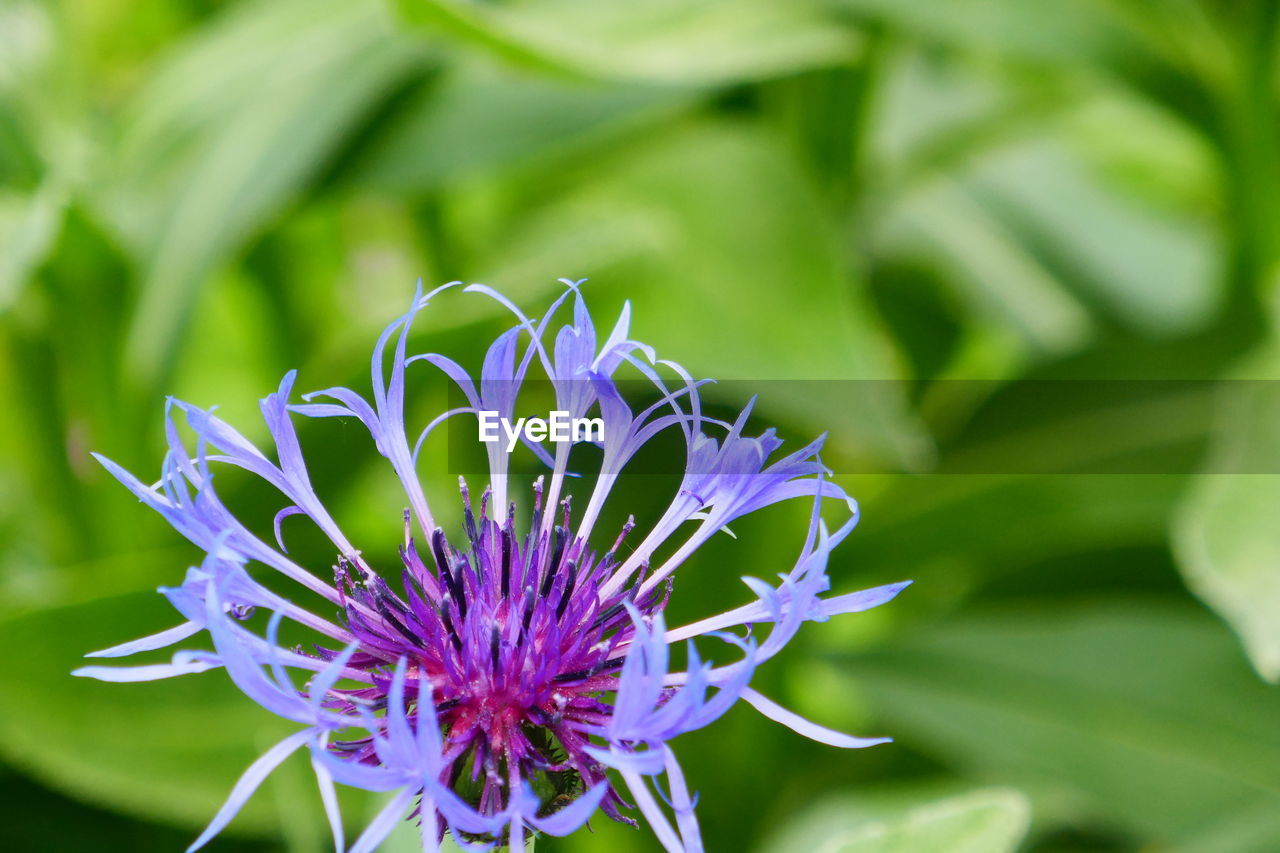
<point x="198" y="196"/>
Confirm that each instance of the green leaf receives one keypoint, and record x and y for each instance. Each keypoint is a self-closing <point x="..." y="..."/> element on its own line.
<point x="986" y="476"/>
<point x="1225" y="532"/>
<point x="1139" y="714"/>
<point x="1047" y="31"/>
<point x="666" y="41"/>
<point x="971" y="540"/>
<point x="228" y="132"/>
<point x="989" y="267"/>
<point x="1031" y="233"/>
<point x="1038" y="197"/>
<point x="1229" y="553"/>
<point x="1159" y="270"/>
<point x="28" y="43"/>
<point x="29" y="225"/>
<point x="932" y="120"/>
<point x="479" y="119"/>
<point x="168" y="751"/>
<point x="723" y="205"/>
<point x="42" y="150"/>
<point x="990" y="820"/>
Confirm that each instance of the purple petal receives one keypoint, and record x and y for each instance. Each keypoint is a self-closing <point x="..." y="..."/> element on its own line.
<point x="799" y="724"/>
<point x="249" y="782"/>
<point x="647" y="763"/>
<point x="176" y="634"/>
<point x="652" y="813"/>
<point x="329" y="796"/>
<point x="380" y="827"/>
<point x="571" y="817"/>
<point x="682" y="803"/>
<point x="863" y="599"/>
<point x="149" y="672"/>
<point x="281" y="516"/>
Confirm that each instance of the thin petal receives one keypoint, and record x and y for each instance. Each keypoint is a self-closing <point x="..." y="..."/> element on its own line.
<point x="799" y="724"/>
<point x="682" y="803"/>
<point x="863" y="599"/>
<point x="647" y="763"/>
<point x="248" y="783"/>
<point x="652" y="812"/>
<point x="574" y="815"/>
<point x="176" y="634"/>
<point x="281" y="516"/>
<point x="149" y="672"/>
<point x="329" y="796"/>
<point x="380" y="827"/>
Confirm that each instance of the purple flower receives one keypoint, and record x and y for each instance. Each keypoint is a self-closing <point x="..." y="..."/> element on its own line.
<point x="522" y="655"/>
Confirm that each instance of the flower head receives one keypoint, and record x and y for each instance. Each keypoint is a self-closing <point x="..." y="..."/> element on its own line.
<point x="512" y="676"/>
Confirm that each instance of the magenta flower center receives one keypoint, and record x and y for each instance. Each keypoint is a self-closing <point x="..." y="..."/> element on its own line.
<point x="516" y="641"/>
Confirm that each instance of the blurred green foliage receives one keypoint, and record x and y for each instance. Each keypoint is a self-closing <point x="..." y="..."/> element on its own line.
<point x="196" y="196"/>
